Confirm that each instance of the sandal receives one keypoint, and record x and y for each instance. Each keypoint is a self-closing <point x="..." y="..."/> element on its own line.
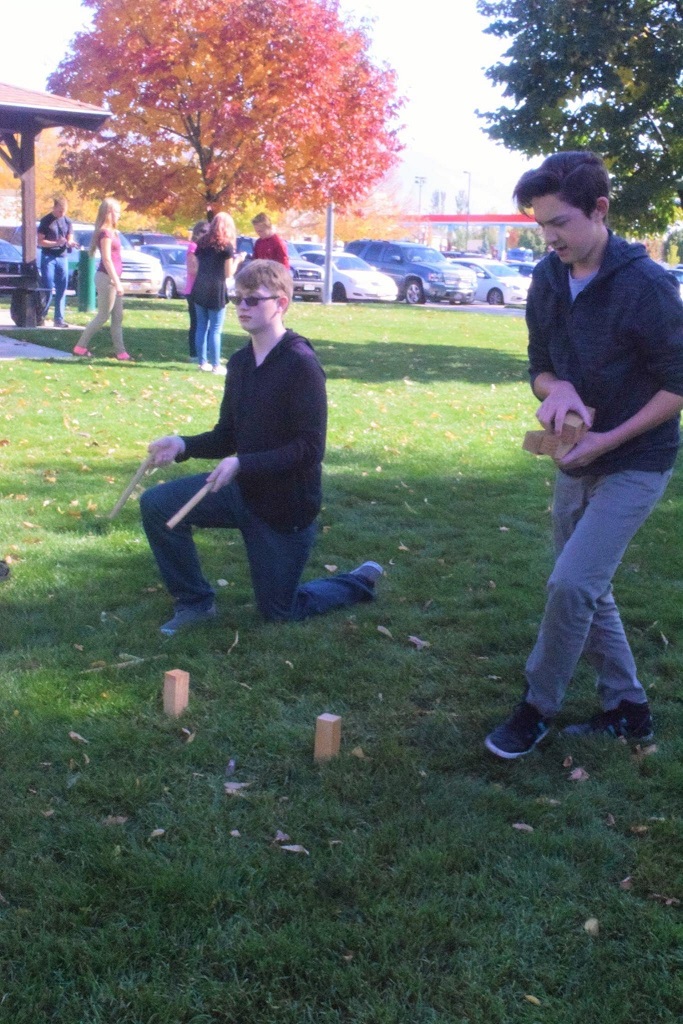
<point x="78" y="351"/>
<point x="123" y="356"/>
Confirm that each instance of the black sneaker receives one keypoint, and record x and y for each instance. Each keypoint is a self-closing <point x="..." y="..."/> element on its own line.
<point x="519" y="734"/>
<point x="369" y="572"/>
<point x="632" y="721"/>
<point x="61" y="323"/>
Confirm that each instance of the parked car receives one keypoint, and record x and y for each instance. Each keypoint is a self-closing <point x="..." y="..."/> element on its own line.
<point x="497" y="283"/>
<point x="420" y="272"/>
<point x="308" y="280"/>
<point x="522" y="254"/>
<point x="303" y="247"/>
<point x="522" y="267"/>
<point x="353" y="278"/>
<point x="10" y="264"/>
<point x="142" y="274"/>
<point x="139" y="238"/>
<point x="245" y="244"/>
<point x="173" y="259"/>
<point x="678" y="274"/>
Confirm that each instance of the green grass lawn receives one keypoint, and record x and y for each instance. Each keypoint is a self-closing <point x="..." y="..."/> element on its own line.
<point x="417" y="901"/>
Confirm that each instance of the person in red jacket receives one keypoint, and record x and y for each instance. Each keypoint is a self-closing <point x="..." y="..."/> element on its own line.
<point x="268" y="245"/>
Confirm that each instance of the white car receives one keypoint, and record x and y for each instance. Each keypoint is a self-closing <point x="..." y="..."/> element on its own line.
<point x="497" y="283"/>
<point x="353" y="278"/>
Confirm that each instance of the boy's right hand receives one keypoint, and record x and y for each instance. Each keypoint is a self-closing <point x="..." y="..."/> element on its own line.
<point x="165" y="449"/>
<point x="561" y="399"/>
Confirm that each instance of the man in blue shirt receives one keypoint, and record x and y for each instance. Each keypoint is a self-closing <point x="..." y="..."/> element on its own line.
<point x="55" y="241"/>
<point x="605" y="332"/>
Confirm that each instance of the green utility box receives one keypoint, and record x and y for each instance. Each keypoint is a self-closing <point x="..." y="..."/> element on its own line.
<point x="87" y="300"/>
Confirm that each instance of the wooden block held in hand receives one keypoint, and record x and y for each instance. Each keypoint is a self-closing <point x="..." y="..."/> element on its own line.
<point x="533" y="440"/>
<point x="176" y="692"/>
<point x="327" y="737"/>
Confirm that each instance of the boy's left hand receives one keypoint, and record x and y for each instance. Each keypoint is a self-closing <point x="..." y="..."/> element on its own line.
<point x="224" y="473"/>
<point x="591" y="446"/>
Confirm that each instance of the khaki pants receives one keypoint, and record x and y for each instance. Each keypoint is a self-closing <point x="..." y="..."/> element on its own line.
<point x="109" y="304"/>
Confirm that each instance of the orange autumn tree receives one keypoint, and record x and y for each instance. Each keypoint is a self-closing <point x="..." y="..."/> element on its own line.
<point x="215" y="102"/>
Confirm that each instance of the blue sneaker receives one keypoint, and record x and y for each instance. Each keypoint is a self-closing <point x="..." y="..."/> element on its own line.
<point x="369" y="572"/>
<point x="187" y="615"/>
<point x="632" y="721"/>
<point x="519" y="734"/>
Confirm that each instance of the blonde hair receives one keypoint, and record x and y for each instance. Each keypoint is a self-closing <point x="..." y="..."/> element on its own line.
<point x="108" y="213"/>
<point x="267" y="274"/>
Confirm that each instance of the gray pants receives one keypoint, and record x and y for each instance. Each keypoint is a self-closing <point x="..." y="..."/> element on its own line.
<point x="109" y="304"/>
<point x="594" y="518"/>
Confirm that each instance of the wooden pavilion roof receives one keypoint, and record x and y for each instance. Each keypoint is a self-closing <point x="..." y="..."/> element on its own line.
<point x="24" y="110"/>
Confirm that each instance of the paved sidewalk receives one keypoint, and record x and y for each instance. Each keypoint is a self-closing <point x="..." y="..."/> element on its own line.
<point x="10" y="348"/>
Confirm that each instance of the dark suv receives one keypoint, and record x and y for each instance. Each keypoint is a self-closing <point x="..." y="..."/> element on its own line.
<point x="420" y="272"/>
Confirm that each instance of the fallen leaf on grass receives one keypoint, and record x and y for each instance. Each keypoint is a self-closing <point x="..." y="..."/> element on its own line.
<point x="402" y="547"/>
<point x="115" y="819"/>
<point x="187" y="736"/>
<point x="568" y="761"/>
<point x="668" y="901"/>
<point x="592" y="927"/>
<point x="48" y="813"/>
<point x="289" y="663"/>
<point x="77" y="738"/>
<point x="578" y="775"/>
<point x="360" y="753"/>
<point x="522" y="826"/>
<point x="235" y="833"/>
<point x="222" y="583"/>
<point x="384" y="631"/>
<point x="547" y="801"/>
<point x="157" y="832"/>
<point x="29" y="526"/>
<point x="420" y="644"/>
<point x="281" y="837"/>
<point x="235" y="642"/>
<point x="639" y="830"/>
<point x="626" y="883"/>
<point x="533" y="1000"/>
<point x="234" y="788"/>
<point x="610" y="821"/>
<point x="296" y="848"/>
<point x="331" y="568"/>
<point x="640" y="752"/>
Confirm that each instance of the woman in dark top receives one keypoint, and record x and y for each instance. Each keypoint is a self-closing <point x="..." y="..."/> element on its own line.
<point x="216" y="260"/>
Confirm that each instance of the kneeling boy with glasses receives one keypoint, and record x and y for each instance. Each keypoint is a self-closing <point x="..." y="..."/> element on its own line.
<point x="270" y="437"/>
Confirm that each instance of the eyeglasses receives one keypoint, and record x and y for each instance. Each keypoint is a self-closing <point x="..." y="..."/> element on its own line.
<point x="251" y="300"/>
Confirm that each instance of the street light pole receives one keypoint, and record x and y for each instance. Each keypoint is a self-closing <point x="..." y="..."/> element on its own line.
<point x="467" y="222"/>
<point x="419" y="181"/>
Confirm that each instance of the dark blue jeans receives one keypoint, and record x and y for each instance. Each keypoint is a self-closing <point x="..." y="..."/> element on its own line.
<point x="276" y="560"/>
<point x="54" y="274"/>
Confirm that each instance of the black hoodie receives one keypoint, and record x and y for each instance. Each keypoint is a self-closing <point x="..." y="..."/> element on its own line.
<point x="274" y="418"/>
<point x="619" y="343"/>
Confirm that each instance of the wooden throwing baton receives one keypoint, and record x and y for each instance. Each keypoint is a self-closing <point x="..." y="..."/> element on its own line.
<point x="189" y="505"/>
<point x="137" y="477"/>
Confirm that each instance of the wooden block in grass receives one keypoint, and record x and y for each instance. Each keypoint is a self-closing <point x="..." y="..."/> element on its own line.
<point x="327" y="737"/>
<point x="176" y="692"/>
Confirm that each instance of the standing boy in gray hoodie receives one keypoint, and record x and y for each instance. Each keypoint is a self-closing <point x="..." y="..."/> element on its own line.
<point x="605" y="332"/>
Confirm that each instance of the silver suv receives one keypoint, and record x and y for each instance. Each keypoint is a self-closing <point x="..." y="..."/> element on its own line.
<point x="141" y="275"/>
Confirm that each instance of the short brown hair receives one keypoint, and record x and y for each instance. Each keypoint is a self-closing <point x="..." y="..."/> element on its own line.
<point x="578" y="177"/>
<point x="262" y="218"/>
<point x="267" y="274"/>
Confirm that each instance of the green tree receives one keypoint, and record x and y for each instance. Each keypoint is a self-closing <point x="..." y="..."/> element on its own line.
<point x="606" y="76"/>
